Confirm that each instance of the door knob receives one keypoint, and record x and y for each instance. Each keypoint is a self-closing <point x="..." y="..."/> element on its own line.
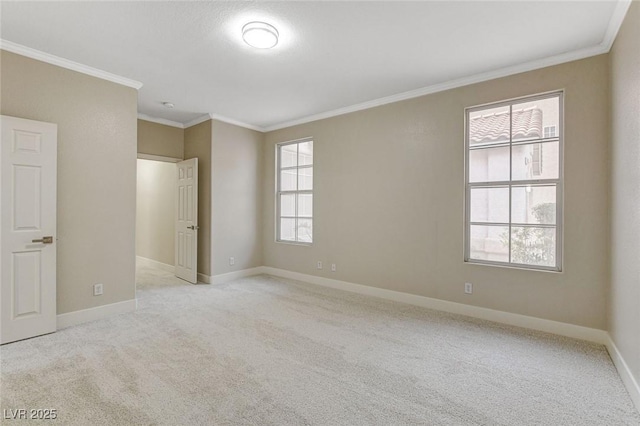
<point x="44" y="240"/>
<point x="194" y="227"/>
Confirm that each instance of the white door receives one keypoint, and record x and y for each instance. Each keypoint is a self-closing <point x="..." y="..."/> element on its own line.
<point x="27" y="228"/>
<point x="187" y="220"/>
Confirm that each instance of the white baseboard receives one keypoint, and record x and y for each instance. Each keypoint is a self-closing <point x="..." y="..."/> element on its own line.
<point x="92" y="314"/>
<point x="202" y="278"/>
<point x="230" y="276"/>
<point x="555" y="327"/>
<point x="626" y="375"/>
<point x="155" y="264"/>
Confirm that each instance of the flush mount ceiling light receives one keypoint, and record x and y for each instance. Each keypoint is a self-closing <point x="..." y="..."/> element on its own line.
<point x="260" y="35"/>
<point x="168" y="105"/>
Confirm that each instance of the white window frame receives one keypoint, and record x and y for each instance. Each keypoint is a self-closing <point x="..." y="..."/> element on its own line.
<point x="559" y="182"/>
<point x="296" y="192"/>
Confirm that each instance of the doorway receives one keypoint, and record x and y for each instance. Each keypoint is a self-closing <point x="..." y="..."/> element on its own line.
<point x="155" y="219"/>
<point x="166" y="216"/>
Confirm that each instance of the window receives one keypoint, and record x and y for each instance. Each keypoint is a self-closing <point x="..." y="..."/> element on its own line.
<point x="513" y="177"/>
<point x="295" y="192"/>
<point x="549" y="131"/>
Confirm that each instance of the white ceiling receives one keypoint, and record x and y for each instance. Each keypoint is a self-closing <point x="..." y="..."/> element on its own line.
<point x="332" y="57"/>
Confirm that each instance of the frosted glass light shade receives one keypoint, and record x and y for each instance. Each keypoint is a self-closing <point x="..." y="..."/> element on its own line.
<point x="260" y="35"/>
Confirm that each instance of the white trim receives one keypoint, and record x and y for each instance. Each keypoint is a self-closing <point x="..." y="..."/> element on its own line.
<point x="198" y="120"/>
<point x="555" y="327"/>
<point x="155" y="264"/>
<point x="230" y="276"/>
<point x="236" y="122"/>
<point x="143" y="156"/>
<point x="548" y="326"/>
<point x="615" y="23"/>
<point x="99" y="312"/>
<point x="511" y="182"/>
<point x="157" y="120"/>
<point x="539" y="324"/>
<point x="604" y="46"/>
<point x="38" y="55"/>
<point x="202" y="278"/>
<point x="213" y="116"/>
<point x="617" y="18"/>
<point x="448" y="85"/>
<point x="626" y="375"/>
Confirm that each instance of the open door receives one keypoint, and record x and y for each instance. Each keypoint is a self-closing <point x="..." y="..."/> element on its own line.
<point x="28" y="158"/>
<point x="187" y="220"/>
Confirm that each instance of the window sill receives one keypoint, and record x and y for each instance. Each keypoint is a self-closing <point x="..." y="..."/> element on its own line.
<point x="552" y="269"/>
<point x="294" y="243"/>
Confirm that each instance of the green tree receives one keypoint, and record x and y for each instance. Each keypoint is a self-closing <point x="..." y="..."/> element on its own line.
<point x="534" y="246"/>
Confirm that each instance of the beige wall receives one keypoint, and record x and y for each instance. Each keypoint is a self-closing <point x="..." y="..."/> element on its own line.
<point x="389" y="194"/>
<point x="155" y="213"/>
<point x="159" y="139"/>
<point x="197" y="143"/>
<point x="237" y="198"/>
<point x="96" y="174"/>
<point x="624" y="307"/>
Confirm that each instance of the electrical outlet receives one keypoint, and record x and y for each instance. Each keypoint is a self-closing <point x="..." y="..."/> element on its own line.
<point x="468" y="288"/>
<point x="333" y="267"/>
<point x="319" y="264"/>
<point x="97" y="289"/>
<point x="232" y="261"/>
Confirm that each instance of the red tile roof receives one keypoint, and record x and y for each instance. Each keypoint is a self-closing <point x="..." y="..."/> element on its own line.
<point x="527" y="124"/>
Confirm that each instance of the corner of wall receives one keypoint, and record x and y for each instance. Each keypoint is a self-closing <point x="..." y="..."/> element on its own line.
<point x="623" y="316"/>
<point x="236" y="182"/>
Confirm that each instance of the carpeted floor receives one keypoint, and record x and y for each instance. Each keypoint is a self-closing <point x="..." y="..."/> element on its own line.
<point x="266" y="351"/>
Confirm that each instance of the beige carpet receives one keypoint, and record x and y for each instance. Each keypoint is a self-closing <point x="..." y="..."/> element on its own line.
<point x="266" y="351"/>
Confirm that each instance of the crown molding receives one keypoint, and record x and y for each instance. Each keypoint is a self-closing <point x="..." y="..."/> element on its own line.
<point x="448" y="85"/>
<point x="164" y="121"/>
<point x="615" y="22"/>
<point x="201" y="119"/>
<point x="617" y="18"/>
<point x="38" y="55"/>
<point x="198" y="120"/>
<point x="213" y="116"/>
<point x="236" y="122"/>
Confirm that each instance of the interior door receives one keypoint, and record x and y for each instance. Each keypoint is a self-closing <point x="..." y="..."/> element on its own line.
<point x="187" y="220"/>
<point x="27" y="228"/>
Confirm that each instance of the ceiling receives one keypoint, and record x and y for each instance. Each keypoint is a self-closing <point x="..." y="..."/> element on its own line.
<point x="333" y="57"/>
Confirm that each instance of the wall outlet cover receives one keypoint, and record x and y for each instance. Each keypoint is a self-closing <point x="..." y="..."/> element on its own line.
<point x="97" y="289"/>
